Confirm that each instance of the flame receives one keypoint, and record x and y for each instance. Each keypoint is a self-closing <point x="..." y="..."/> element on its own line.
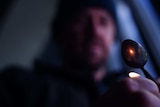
<point x="134" y="75"/>
<point x="131" y="52"/>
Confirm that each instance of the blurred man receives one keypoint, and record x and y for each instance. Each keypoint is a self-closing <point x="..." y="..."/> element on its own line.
<point x="85" y="32"/>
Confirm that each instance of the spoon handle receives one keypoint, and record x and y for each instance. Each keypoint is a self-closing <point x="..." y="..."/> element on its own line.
<point x="149" y="76"/>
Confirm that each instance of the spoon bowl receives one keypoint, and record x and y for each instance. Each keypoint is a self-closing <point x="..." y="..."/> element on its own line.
<point x="133" y="54"/>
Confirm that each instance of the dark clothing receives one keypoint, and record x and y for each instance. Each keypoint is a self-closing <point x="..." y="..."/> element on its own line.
<point x="50" y="88"/>
<point x="45" y="86"/>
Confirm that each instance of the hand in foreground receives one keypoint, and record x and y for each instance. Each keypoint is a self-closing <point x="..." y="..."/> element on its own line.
<point x="136" y="92"/>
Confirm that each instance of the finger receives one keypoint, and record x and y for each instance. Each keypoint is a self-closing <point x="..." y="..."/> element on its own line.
<point x="147" y="85"/>
<point x="131" y="85"/>
<point x="144" y="99"/>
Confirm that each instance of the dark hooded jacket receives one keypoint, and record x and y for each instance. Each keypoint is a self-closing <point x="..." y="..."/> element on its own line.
<point x="47" y="86"/>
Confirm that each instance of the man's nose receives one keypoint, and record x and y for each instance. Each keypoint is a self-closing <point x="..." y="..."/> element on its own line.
<point x="92" y="30"/>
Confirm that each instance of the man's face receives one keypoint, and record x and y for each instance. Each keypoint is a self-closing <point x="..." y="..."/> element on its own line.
<point x="88" y="36"/>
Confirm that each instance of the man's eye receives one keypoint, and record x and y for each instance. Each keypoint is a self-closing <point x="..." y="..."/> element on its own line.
<point x="81" y="21"/>
<point x="104" y="21"/>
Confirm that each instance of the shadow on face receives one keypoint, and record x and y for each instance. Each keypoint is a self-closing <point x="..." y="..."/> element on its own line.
<point x="87" y="37"/>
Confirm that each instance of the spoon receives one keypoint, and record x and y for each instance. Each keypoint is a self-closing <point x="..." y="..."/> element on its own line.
<point x="135" y="56"/>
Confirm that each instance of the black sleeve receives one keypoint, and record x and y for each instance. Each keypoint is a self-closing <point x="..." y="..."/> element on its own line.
<point x="11" y="92"/>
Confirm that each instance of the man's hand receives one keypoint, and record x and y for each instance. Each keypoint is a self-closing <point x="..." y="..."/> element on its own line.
<point x="130" y="92"/>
